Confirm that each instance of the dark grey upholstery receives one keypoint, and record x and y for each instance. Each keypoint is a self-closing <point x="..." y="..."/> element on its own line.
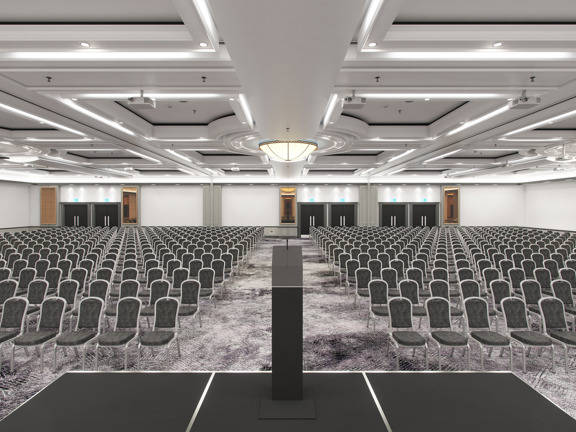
<point x="116" y="338"/>
<point x="409" y="338"/>
<point x="490" y="338"/>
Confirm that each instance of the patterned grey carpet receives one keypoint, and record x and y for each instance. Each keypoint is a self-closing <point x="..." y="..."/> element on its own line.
<point x="236" y="336"/>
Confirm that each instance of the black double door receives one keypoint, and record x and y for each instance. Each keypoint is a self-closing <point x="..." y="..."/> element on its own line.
<point x="342" y="215"/>
<point x="393" y="215"/>
<point x="424" y="215"/>
<point x="310" y="215"/>
<point x="106" y="215"/>
<point x="76" y="215"/>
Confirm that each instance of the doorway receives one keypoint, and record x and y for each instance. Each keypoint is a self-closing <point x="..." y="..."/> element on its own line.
<point x="424" y="215"/>
<point x="106" y="215"/>
<point x="392" y="215"/>
<point x="343" y="215"/>
<point x="310" y="215"/>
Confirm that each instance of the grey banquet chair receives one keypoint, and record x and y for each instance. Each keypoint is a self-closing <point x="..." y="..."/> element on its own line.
<point x="440" y="327"/>
<point x="49" y="328"/>
<point x="87" y="328"/>
<point x="378" y="301"/>
<point x="518" y="328"/>
<point x="402" y="332"/>
<point x="478" y="326"/>
<point x="190" y="302"/>
<point x="165" y="330"/>
<point x="563" y="291"/>
<point x="554" y="325"/>
<point x="12" y="322"/>
<point x="126" y="328"/>
<point x="159" y="289"/>
<point x="363" y="278"/>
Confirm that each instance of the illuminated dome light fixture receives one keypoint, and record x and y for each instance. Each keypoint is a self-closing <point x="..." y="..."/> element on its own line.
<point x="22" y="159"/>
<point x="288" y="151"/>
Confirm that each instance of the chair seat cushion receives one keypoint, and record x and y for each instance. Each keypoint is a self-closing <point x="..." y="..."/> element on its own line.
<point x="454" y="293"/>
<point x="156" y="338"/>
<point x="456" y="312"/>
<point x="144" y="293"/>
<point x="491" y="312"/>
<point x="79" y="337"/>
<point x="408" y="338"/>
<point x="115" y="293"/>
<point x="531" y="338"/>
<point x="184" y="310"/>
<point x="35" y="337"/>
<point x="450" y="338"/>
<point x="491" y="338"/>
<point x="32" y="309"/>
<point x="362" y="292"/>
<point x="380" y="310"/>
<point x="147" y="311"/>
<point x="547" y="291"/>
<point x="175" y="292"/>
<point x="568" y="337"/>
<point x="534" y="308"/>
<point x="116" y="338"/>
<point x="8" y="334"/>
<point x="570" y="310"/>
<point x="111" y="311"/>
<point x="394" y="292"/>
<point x="418" y="311"/>
<point x="206" y="292"/>
<point x="424" y="293"/>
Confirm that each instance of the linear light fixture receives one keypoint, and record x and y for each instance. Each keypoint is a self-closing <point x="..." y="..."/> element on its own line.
<point x="163" y="96"/>
<point x="478" y="55"/>
<point x="442" y="156"/>
<point x="396" y="172"/>
<point x="184" y="170"/>
<point x="187" y="159"/>
<point x="423" y="96"/>
<point x="32" y="139"/>
<point x="401" y="155"/>
<point x="246" y="109"/>
<point x="464" y="171"/>
<point x="330" y="109"/>
<point x="478" y="120"/>
<point x="37" y="118"/>
<point x="531" y="139"/>
<point x="95" y="116"/>
<point x="543" y="122"/>
<point x="143" y="156"/>
<point x="212" y="171"/>
<point x="101" y="55"/>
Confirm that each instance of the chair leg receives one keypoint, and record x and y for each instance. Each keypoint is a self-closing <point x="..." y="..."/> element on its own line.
<point x="398" y="358"/>
<point x="551" y="355"/>
<point x="84" y="358"/>
<point x="178" y="346"/>
<point x="54" y="362"/>
<point x="12" y="358"/>
<point x="126" y="358"/>
<point x="481" y="357"/>
<point x="42" y="358"/>
<point x="96" y="357"/>
<point x="510" y="348"/>
<point x="426" y="355"/>
<point x="439" y="357"/>
<point x="468" y="352"/>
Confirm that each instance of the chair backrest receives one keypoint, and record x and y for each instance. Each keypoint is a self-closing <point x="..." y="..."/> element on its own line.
<point x="469" y="288"/>
<point x="207" y="259"/>
<point x="416" y="275"/>
<point x="439" y="288"/>
<point x="166" y="313"/>
<point x="53" y="276"/>
<point x="218" y="266"/>
<point x="79" y="275"/>
<point x="563" y="291"/>
<point x="500" y="290"/>
<point x="515" y="313"/>
<point x="400" y="310"/>
<point x="440" y="273"/>
<point x="51" y="314"/>
<point x="531" y="291"/>
<point x="409" y="290"/>
<point x="90" y="313"/>
<point x="65" y="265"/>
<point x="476" y="311"/>
<point x="129" y="273"/>
<point x="128" y="313"/>
<point x="384" y="258"/>
<point x="5" y="273"/>
<point x="99" y="288"/>
<point x="552" y="266"/>
<point x="179" y="276"/>
<point x="378" y="292"/>
<point x="155" y="273"/>
<point x="398" y="265"/>
<point x="13" y="313"/>
<point x="363" y="277"/>
<point x="7" y="289"/>
<point x="489" y="275"/>
<point x="68" y="290"/>
<point x="206" y="278"/>
<point x="529" y="265"/>
<point x="390" y="276"/>
<point x="27" y="275"/>
<point x="465" y="274"/>
<point x="375" y="267"/>
<point x="553" y="315"/>
<point x="105" y="274"/>
<point x="37" y="291"/>
<point x="569" y="275"/>
<point x="438" y="311"/>
<point x="195" y="266"/>
<point x="351" y="266"/>
<point x="129" y="288"/>
<point x="18" y="266"/>
<point x="363" y="258"/>
<point x="190" y="292"/>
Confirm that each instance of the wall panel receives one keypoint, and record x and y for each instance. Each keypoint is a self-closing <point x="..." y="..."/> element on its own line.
<point x="551" y="205"/>
<point x="250" y="205"/>
<point x="171" y="205"/>
<point x="15" y="207"/>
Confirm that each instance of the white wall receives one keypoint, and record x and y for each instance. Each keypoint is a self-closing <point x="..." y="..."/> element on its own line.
<point x="91" y="193"/>
<point x="250" y="205"/>
<point x="336" y="193"/>
<point x="492" y="205"/>
<point x="34" y="205"/>
<point x="171" y="205"/>
<point x="400" y="194"/>
<point x="15" y="207"/>
<point x="551" y="205"/>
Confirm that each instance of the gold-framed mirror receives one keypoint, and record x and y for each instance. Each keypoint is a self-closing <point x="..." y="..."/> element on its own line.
<point x="130" y="205"/>
<point x="287" y="205"/>
<point x="451" y="200"/>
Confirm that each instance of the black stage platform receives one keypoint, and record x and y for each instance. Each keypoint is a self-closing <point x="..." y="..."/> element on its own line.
<point x="200" y="401"/>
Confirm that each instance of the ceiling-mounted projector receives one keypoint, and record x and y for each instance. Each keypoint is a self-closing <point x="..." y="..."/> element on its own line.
<point x="524" y="102"/>
<point x="142" y="102"/>
<point x="353" y="102"/>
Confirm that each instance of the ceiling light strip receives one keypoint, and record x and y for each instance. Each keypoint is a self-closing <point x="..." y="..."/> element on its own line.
<point x="423" y="96"/>
<point x="187" y="159"/>
<point x="330" y="109"/>
<point x="478" y="120"/>
<point x="246" y="110"/>
<point x="396" y="172"/>
<point x="442" y="156"/>
<point x="543" y="122"/>
<point x="95" y="116"/>
<point x="143" y="156"/>
<point x="27" y="115"/>
<point x="401" y="155"/>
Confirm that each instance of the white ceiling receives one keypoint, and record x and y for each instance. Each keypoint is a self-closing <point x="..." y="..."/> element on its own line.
<point x="227" y="75"/>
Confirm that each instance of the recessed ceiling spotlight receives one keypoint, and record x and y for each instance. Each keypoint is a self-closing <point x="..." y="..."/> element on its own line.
<point x="372" y="44"/>
<point x="203" y="44"/>
<point x="427" y="99"/>
<point x="230" y="99"/>
<point x="74" y="99"/>
<point x="85" y="44"/>
<point x="497" y="44"/>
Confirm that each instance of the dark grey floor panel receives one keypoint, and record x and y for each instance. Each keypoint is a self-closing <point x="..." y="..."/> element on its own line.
<point x="471" y="402"/>
<point x="111" y="401"/>
<point x="342" y="401"/>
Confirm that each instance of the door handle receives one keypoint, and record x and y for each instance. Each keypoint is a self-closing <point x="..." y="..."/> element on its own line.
<point x="391" y="221"/>
<point x="425" y="220"/>
<point x="313" y="220"/>
<point x="310" y="221"/>
<point x="344" y="220"/>
<point x="394" y="220"/>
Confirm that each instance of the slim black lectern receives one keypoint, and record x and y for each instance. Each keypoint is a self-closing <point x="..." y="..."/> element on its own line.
<point x="288" y="398"/>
